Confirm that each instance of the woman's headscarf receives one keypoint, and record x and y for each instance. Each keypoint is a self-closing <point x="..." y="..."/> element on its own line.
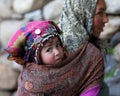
<point x="76" y="22"/>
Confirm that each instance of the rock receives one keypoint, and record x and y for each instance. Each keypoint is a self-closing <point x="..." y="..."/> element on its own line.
<point x="113" y="7"/>
<point x="117" y="52"/>
<point x="5" y="9"/>
<point x="24" y="6"/>
<point x="8" y="78"/>
<point x="114" y="85"/>
<point x="5" y="93"/>
<point x="8" y="28"/>
<point x="111" y="27"/>
<point x="53" y="10"/>
<point x="115" y="39"/>
<point x="35" y="15"/>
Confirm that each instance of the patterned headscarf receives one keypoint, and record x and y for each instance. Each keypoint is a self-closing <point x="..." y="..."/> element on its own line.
<point x="76" y="21"/>
<point x="27" y="42"/>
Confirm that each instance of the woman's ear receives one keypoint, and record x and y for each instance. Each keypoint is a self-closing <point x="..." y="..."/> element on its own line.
<point x="17" y="60"/>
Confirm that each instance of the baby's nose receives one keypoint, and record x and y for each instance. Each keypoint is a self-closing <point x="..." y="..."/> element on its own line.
<point x="56" y="52"/>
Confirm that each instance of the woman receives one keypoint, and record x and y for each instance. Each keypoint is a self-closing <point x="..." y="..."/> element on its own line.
<point x="81" y="21"/>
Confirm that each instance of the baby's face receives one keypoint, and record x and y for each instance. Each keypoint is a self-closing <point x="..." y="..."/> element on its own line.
<point x="52" y="52"/>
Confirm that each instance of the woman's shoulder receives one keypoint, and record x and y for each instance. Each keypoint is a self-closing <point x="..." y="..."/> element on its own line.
<point x="93" y="56"/>
<point x="91" y="47"/>
<point x="91" y="50"/>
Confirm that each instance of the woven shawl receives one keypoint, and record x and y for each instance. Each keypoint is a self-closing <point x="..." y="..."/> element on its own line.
<point x="74" y="75"/>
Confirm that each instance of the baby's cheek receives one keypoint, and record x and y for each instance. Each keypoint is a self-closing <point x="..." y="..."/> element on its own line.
<point x="48" y="61"/>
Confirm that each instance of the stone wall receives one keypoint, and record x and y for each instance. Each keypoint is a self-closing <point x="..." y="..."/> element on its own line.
<point x="15" y="13"/>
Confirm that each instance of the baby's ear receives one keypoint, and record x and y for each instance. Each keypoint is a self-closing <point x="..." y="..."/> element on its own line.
<point x="17" y="60"/>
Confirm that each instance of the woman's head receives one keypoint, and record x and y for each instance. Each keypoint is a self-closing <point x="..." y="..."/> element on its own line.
<point x="28" y="41"/>
<point x="78" y="20"/>
<point x="100" y="18"/>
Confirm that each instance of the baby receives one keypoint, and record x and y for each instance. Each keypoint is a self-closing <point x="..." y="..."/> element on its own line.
<point x="37" y="42"/>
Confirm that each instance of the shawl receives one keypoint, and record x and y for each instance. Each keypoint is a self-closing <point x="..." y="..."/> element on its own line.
<point x="76" y="22"/>
<point x="78" y="72"/>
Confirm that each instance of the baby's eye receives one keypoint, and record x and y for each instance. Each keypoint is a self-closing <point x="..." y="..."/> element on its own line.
<point x="48" y="49"/>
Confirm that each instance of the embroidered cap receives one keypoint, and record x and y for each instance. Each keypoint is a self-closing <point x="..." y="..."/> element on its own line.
<point x="28" y="40"/>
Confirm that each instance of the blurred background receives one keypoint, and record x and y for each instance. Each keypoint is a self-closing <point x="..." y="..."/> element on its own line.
<point x="15" y="13"/>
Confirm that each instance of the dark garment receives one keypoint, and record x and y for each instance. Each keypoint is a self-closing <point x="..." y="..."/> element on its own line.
<point x="77" y="73"/>
<point x="104" y="90"/>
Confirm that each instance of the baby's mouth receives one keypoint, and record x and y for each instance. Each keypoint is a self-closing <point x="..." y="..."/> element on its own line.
<point x="58" y="60"/>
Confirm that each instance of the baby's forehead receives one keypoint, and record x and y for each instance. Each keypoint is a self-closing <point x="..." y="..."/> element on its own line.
<point x="52" y="40"/>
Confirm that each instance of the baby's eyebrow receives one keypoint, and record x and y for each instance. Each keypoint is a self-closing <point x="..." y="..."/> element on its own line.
<point x="47" y="44"/>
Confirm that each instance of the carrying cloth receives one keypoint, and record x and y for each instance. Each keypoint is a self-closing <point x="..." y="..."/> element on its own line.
<point x="80" y="71"/>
